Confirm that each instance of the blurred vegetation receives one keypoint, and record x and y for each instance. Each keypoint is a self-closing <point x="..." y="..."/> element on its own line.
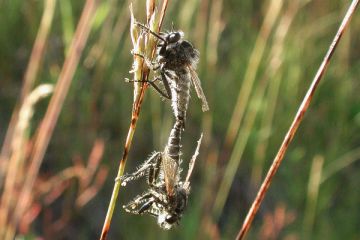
<point x="268" y="51"/>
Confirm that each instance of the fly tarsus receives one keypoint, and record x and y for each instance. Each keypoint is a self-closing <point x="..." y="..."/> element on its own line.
<point x="154" y="66"/>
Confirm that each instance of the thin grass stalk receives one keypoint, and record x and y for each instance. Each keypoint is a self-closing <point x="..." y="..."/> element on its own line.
<point x="265" y="129"/>
<point x="67" y="23"/>
<point x="101" y="55"/>
<point x="210" y="14"/>
<point x="31" y="72"/>
<point x="215" y="27"/>
<point x="39" y="48"/>
<point x="273" y="91"/>
<point x="47" y="126"/>
<point x="139" y="93"/>
<point x="244" y="134"/>
<point x="296" y="122"/>
<point x="239" y="147"/>
<point x="119" y="28"/>
<point x="312" y="196"/>
<point x="99" y="49"/>
<point x="251" y="71"/>
<point x="341" y="163"/>
<point x="18" y="145"/>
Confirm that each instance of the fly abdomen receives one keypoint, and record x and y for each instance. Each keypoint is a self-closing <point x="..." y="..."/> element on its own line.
<point x="173" y="146"/>
<point x="180" y="90"/>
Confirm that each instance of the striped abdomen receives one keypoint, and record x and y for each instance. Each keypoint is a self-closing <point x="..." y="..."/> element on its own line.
<point x="173" y="146"/>
<point x="180" y="91"/>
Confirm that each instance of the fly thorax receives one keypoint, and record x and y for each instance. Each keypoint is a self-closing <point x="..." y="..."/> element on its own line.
<point x="181" y="201"/>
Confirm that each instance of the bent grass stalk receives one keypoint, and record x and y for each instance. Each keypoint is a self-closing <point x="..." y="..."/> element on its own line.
<point x="47" y="126"/>
<point x="17" y="158"/>
<point x="257" y="54"/>
<point x="295" y="124"/>
<point x="8" y="152"/>
<point x="140" y="72"/>
<point x="37" y="54"/>
<point x="238" y="114"/>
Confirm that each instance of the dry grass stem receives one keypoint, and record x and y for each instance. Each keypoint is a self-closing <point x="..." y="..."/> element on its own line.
<point x="312" y="195"/>
<point x="50" y="119"/>
<point x="144" y="44"/>
<point x="31" y="72"/>
<point x="250" y="75"/>
<point x="238" y="115"/>
<point x="295" y="124"/>
<point x="18" y="146"/>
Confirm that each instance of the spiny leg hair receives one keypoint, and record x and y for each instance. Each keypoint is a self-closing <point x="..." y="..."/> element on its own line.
<point x="150" y="167"/>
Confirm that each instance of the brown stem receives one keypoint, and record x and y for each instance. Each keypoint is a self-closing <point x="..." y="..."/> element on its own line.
<point x="295" y="124"/>
<point x="50" y="119"/>
<point x="135" y="115"/>
<point x="32" y="69"/>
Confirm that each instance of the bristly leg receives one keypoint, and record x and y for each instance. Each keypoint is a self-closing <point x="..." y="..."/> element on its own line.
<point x="150" y="167"/>
<point x="166" y="94"/>
<point x="145" y="202"/>
<point x="155" y="66"/>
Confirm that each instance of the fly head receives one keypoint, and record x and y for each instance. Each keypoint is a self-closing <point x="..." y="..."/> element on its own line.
<point x="172" y="213"/>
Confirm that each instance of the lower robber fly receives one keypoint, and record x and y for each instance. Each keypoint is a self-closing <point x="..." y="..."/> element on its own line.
<point x="167" y="196"/>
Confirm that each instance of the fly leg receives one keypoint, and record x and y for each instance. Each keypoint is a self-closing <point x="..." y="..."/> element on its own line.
<point x="144" y="203"/>
<point x="140" y="204"/>
<point x="154" y="66"/>
<point x="166" y="94"/>
<point x="154" y="170"/>
<point x="150" y="166"/>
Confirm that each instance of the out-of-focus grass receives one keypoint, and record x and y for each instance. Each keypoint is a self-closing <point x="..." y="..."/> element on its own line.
<point x="99" y="105"/>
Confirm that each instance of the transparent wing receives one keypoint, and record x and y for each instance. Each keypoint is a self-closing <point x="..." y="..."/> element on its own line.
<point x="192" y="163"/>
<point x="197" y="84"/>
<point x="170" y="169"/>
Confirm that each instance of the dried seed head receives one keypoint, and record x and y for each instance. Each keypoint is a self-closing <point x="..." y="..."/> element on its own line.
<point x="153" y="26"/>
<point x="137" y="65"/>
<point x="134" y="29"/>
<point x="150" y="6"/>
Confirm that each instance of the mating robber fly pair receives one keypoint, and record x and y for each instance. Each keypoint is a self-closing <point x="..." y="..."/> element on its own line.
<point x="167" y="196"/>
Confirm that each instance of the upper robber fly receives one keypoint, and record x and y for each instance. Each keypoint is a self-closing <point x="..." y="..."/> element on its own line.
<point x="176" y="60"/>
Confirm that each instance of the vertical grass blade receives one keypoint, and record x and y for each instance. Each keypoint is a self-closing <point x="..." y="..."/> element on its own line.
<point x="296" y="122"/>
<point x="139" y="93"/>
<point x="51" y="116"/>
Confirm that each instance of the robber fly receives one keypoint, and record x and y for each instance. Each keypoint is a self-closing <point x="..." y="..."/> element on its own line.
<point x="167" y="196"/>
<point x="176" y="60"/>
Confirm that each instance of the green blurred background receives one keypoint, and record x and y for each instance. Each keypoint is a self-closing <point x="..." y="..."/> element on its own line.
<point x="257" y="58"/>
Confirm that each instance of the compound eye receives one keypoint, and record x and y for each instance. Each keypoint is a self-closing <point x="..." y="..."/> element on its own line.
<point x="174" y="37"/>
<point x="171" y="219"/>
